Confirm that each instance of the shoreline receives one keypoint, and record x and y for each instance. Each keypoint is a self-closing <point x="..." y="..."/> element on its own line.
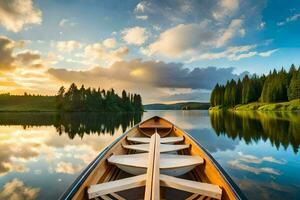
<point x="291" y="106"/>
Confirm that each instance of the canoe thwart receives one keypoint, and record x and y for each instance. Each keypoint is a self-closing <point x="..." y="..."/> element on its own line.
<point x="116" y="186"/>
<point x="163" y="147"/>
<point x="204" y="189"/>
<point x="162" y="140"/>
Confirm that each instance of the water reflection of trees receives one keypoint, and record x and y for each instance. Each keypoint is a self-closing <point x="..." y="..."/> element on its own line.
<point x="74" y="123"/>
<point x="90" y="123"/>
<point x="281" y="129"/>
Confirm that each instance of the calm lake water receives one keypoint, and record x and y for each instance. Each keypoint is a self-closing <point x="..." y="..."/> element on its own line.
<point x="42" y="153"/>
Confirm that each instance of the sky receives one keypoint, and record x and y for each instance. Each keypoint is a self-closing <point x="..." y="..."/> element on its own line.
<point x="168" y="51"/>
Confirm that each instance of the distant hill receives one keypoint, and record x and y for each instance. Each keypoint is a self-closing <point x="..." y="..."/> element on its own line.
<point x="178" y="106"/>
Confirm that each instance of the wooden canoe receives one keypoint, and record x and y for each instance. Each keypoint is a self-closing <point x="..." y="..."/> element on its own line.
<point x="166" y="168"/>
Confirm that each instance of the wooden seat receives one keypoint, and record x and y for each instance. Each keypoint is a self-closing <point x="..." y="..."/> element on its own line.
<point x="170" y="164"/>
<point x="162" y="140"/>
<point x="163" y="147"/>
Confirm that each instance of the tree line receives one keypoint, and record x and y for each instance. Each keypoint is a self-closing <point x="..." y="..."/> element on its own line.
<point x="91" y="99"/>
<point x="277" y="86"/>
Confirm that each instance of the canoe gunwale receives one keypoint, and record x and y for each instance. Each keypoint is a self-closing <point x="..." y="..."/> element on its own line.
<point x="72" y="189"/>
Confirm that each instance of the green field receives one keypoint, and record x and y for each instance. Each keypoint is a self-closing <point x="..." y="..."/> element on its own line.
<point x="14" y="103"/>
<point x="257" y="106"/>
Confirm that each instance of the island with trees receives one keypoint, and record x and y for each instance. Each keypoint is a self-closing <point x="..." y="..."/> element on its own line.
<point x="74" y="99"/>
<point x="277" y="91"/>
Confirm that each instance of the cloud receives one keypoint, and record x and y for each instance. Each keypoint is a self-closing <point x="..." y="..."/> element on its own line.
<point x="225" y="8"/>
<point x="135" y="35"/>
<point x="9" y="61"/>
<point x="98" y="51"/>
<point x="191" y="95"/>
<point x="262" y="25"/>
<point x="163" y="11"/>
<point x="110" y="42"/>
<point x="28" y="58"/>
<point x="230" y="32"/>
<point x="268" y="53"/>
<point x="289" y="19"/>
<point x="181" y="39"/>
<point x="66" y="22"/>
<point x="191" y="39"/>
<point x="149" y="73"/>
<point x="141" y="17"/>
<point x="243" y="55"/>
<point x="155" y="81"/>
<point x="6" y="50"/>
<point x="17" y="190"/>
<point x="141" y="6"/>
<point x="233" y="53"/>
<point x="68" y="46"/>
<point x="15" y="14"/>
<point x="23" y="70"/>
<point x="229" y="53"/>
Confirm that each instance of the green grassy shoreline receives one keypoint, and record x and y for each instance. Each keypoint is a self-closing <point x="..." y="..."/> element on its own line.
<point x="257" y="106"/>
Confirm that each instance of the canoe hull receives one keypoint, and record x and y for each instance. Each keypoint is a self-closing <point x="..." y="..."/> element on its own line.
<point x="100" y="171"/>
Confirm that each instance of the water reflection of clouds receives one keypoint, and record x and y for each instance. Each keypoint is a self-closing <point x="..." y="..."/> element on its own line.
<point x="237" y="164"/>
<point x="242" y="159"/>
<point x="17" y="190"/>
<point x="67" y="168"/>
<point x="253" y="159"/>
<point x="18" y="147"/>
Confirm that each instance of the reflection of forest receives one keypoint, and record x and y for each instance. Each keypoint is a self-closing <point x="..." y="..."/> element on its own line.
<point x="282" y="129"/>
<point x="79" y="123"/>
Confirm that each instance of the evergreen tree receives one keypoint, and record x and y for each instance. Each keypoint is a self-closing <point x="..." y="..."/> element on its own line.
<point x="277" y="86"/>
<point x="96" y="100"/>
<point x="294" y="87"/>
<point x="60" y="97"/>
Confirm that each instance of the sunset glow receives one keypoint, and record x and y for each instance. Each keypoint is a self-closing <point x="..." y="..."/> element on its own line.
<point x="46" y="44"/>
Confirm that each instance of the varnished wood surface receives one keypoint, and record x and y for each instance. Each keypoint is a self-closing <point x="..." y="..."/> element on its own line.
<point x="206" y="172"/>
<point x="162" y="140"/>
<point x="163" y="147"/>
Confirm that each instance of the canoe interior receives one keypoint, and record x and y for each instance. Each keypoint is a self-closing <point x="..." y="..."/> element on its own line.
<point x="158" y="124"/>
<point x="207" y="172"/>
